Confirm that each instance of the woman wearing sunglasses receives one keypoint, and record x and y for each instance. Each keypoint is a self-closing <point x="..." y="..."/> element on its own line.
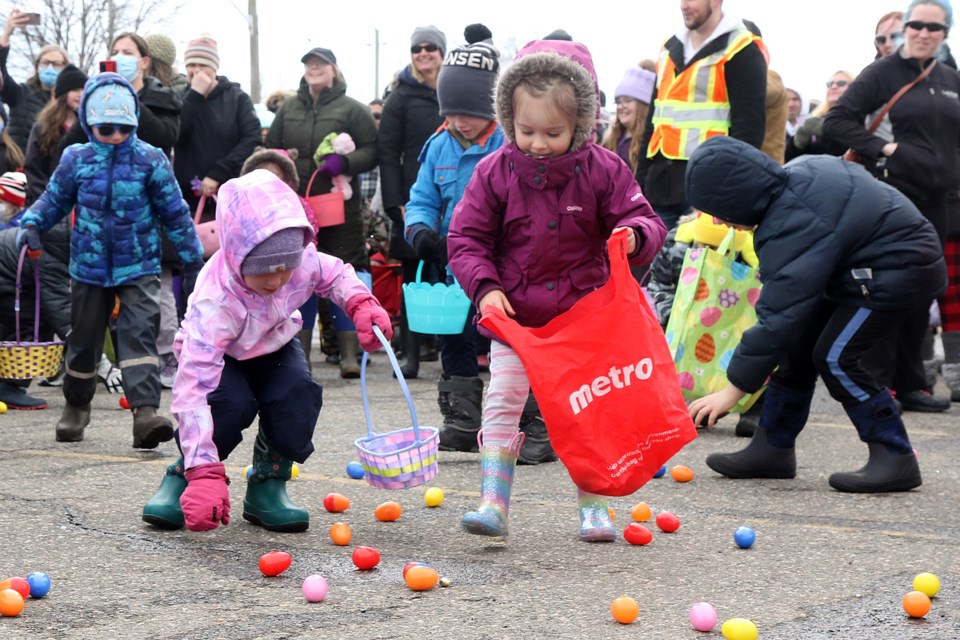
<point x="809" y="136"/>
<point x="918" y="156"/>
<point x="889" y="34"/>
<point x="411" y="114"/>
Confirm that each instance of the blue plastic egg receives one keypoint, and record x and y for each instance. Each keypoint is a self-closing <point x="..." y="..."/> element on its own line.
<point x="355" y="470"/>
<point x="39" y="584"/>
<point x="659" y="474"/>
<point x="744" y="537"/>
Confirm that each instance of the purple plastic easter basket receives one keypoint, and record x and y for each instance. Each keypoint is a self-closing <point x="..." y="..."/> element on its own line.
<point x="398" y="459"/>
<point x="20" y="360"/>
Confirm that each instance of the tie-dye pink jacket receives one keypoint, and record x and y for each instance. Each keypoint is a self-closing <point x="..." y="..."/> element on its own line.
<point x="225" y="318"/>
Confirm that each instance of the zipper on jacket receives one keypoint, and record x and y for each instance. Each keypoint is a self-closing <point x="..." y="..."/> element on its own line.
<point x="106" y="209"/>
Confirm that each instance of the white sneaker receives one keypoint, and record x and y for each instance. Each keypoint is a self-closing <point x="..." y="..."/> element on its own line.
<point x="168" y="372"/>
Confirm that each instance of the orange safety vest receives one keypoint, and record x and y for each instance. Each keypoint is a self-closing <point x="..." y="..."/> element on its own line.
<point x="693" y="106"/>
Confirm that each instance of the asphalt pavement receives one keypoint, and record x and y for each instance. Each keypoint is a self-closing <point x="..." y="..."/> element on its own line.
<point x="824" y="564"/>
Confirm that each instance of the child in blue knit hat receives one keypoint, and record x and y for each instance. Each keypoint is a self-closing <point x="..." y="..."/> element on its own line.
<point x="122" y="191"/>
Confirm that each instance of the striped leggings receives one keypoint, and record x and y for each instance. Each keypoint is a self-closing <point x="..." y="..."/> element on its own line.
<point x="506" y="396"/>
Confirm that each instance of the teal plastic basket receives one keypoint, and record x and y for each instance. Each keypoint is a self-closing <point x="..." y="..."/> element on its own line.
<point x="435" y="308"/>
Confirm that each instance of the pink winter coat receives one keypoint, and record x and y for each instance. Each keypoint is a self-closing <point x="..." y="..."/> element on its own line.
<point x="226" y="318"/>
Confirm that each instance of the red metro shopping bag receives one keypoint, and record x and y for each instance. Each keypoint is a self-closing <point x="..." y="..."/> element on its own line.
<point x="605" y="382"/>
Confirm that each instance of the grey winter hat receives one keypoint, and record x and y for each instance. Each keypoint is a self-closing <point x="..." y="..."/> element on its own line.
<point x="431" y="35"/>
<point x="468" y="79"/>
<point x="282" y="251"/>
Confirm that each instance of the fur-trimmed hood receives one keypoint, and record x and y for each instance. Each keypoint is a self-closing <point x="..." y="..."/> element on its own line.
<point x="567" y="59"/>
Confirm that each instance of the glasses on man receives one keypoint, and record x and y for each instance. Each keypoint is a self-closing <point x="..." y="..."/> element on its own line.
<point x="107" y="130"/>
<point x="46" y="62"/>
<point x="881" y="39"/>
<point x="430" y="48"/>
<point x="837" y="83"/>
<point x="932" y="27"/>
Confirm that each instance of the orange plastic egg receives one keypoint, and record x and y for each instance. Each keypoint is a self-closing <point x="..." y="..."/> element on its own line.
<point x="680" y="473"/>
<point x="916" y="604"/>
<point x="388" y="511"/>
<point x="340" y="533"/>
<point x="11" y="603"/>
<point x="421" y="578"/>
<point x="625" y="609"/>
<point x="336" y="502"/>
<point x="641" y="512"/>
<point x="20" y="585"/>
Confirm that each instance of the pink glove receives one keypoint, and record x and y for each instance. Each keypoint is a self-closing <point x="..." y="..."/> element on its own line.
<point x="206" y="500"/>
<point x="333" y="165"/>
<point x="365" y="312"/>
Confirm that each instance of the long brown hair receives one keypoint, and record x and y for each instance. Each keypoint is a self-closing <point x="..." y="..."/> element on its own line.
<point x="616" y="130"/>
<point x="52" y="119"/>
<point x="15" y="156"/>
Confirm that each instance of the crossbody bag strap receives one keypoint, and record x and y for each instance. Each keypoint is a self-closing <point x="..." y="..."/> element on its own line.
<point x="898" y="95"/>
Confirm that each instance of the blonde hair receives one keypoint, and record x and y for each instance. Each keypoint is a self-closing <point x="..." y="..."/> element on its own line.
<point x="826" y="105"/>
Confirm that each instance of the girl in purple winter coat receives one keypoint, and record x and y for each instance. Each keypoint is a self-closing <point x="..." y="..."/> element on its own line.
<point x="529" y="237"/>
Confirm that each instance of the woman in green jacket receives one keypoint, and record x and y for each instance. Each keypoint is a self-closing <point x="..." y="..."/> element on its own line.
<point x="321" y="107"/>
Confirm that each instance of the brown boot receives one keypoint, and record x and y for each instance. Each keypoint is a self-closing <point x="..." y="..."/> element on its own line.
<point x="149" y="429"/>
<point x="72" y="422"/>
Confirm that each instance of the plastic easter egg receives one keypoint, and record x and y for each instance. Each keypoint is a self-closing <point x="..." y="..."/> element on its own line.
<point x="336" y="502"/>
<point x="18" y="584"/>
<point x="411" y="565"/>
<point x="366" y="558"/>
<point x="11" y="603"/>
<point x="248" y="471"/>
<point x="744" y="537"/>
<point x="916" y="604"/>
<point x="739" y="629"/>
<point x="641" y="512"/>
<point x="636" y="533"/>
<point x="124" y="403"/>
<point x="39" y="584"/>
<point x="668" y="522"/>
<point x="681" y="473"/>
<point x="421" y="578"/>
<point x="294" y="471"/>
<point x="388" y="511"/>
<point x="274" y="563"/>
<point x="625" y="609"/>
<point x="927" y="583"/>
<point x="340" y="533"/>
<point x="355" y="470"/>
<point x="315" y="588"/>
<point x="433" y="497"/>
<point x="3" y="407"/>
<point x="703" y="616"/>
<point x="662" y="470"/>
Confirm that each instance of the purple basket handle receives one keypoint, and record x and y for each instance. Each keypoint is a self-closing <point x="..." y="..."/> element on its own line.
<point x="403" y="385"/>
<point x="16" y="298"/>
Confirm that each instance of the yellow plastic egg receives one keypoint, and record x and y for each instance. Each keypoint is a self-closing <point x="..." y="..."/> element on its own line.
<point x="927" y="583"/>
<point x="739" y="629"/>
<point x="294" y="471"/>
<point x="433" y="497"/>
<point x="3" y="407"/>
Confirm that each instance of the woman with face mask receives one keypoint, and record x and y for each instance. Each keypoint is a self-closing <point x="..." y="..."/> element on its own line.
<point x="159" y="123"/>
<point x="28" y="98"/>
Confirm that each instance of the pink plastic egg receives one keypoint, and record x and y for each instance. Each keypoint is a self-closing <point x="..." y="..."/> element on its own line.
<point x="703" y="616"/>
<point x="315" y="588"/>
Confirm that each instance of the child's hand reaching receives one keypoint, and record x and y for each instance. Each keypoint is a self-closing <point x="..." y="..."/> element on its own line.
<point x="206" y="500"/>
<point x="366" y="312"/>
<point x="631" y="239"/>
<point x="707" y="410"/>
<point x="497" y="299"/>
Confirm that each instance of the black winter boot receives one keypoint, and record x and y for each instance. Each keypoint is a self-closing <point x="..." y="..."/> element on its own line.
<point x="536" y="447"/>
<point x="149" y="429"/>
<point x="461" y="401"/>
<point x="759" y="459"/>
<point x="750" y="419"/>
<point x="892" y="465"/>
<point x="16" y="398"/>
<point x="72" y="422"/>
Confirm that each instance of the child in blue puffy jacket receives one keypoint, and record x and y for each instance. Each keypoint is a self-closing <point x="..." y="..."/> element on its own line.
<point x="121" y="191"/>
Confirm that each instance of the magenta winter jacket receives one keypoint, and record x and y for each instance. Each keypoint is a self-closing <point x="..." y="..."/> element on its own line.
<point x="537" y="228"/>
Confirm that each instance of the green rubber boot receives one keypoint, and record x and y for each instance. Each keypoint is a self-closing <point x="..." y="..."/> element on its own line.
<point x="266" y="503"/>
<point x="163" y="509"/>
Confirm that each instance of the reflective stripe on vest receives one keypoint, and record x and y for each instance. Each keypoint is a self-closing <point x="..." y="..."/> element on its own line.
<point x="693" y="106"/>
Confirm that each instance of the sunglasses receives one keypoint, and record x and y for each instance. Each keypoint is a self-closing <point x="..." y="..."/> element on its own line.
<point x="882" y="39"/>
<point x="430" y="48"/>
<point x="107" y="130"/>
<point x="837" y="83"/>
<point x="932" y="27"/>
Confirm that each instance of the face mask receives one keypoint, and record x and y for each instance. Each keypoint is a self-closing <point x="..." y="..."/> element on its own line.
<point x="48" y="76"/>
<point x="127" y="66"/>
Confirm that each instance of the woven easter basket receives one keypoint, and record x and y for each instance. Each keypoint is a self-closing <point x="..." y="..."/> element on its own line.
<point x="398" y="459"/>
<point x="22" y="360"/>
